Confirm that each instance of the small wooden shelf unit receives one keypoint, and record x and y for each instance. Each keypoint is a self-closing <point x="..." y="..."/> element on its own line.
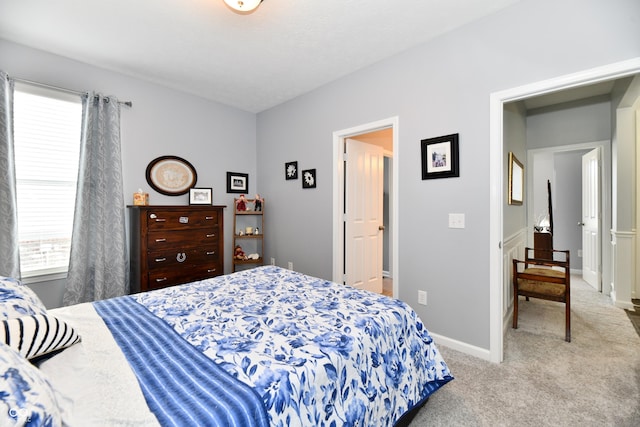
<point x="250" y="242"/>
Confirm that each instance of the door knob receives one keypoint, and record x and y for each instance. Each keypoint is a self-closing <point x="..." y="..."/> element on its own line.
<point x="580" y="224"/>
<point x="381" y="227"/>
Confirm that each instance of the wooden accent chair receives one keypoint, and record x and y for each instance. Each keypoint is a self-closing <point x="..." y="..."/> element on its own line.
<point x="544" y="279"/>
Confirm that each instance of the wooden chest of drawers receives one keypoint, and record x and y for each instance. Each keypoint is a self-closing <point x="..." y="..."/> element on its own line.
<point x="170" y="245"/>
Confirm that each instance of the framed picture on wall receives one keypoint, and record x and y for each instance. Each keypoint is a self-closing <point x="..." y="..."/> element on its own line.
<point x="516" y="180"/>
<point x="291" y="170"/>
<point x="309" y="178"/>
<point x="237" y="182"/>
<point x="440" y="157"/>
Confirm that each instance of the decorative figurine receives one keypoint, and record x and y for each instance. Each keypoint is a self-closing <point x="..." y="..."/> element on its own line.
<point x="241" y="204"/>
<point x="257" y="206"/>
<point x="238" y="253"/>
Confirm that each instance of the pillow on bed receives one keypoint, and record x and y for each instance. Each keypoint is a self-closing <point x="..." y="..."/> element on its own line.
<point x="37" y="335"/>
<point x="18" y="300"/>
<point x="26" y="397"/>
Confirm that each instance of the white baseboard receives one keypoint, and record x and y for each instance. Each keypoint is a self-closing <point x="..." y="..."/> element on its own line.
<point x="481" y="353"/>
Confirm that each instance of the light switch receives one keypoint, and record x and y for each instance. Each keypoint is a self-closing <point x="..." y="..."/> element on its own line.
<point x="456" y="220"/>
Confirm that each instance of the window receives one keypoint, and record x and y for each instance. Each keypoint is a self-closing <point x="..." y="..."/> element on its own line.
<point x="47" y="128"/>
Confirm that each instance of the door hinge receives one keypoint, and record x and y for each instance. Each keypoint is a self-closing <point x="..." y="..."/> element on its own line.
<point x="344" y="157"/>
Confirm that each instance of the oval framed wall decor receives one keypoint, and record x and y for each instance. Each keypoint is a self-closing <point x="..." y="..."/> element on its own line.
<point x="171" y="175"/>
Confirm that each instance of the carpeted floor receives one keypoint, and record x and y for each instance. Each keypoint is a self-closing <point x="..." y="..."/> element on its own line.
<point x="545" y="381"/>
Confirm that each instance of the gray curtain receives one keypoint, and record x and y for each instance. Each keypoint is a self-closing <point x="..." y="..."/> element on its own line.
<point x="98" y="266"/>
<point x="9" y="253"/>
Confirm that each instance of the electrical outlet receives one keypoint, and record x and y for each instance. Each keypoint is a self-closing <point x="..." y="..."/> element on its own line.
<point x="273" y="261"/>
<point x="580" y="253"/>
<point x="456" y="220"/>
<point x="422" y="297"/>
<point x="290" y="265"/>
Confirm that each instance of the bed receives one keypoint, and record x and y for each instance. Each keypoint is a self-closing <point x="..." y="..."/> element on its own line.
<point x="260" y="347"/>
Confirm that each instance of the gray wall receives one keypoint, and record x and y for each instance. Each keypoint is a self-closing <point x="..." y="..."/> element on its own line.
<point x="514" y="140"/>
<point x="566" y="124"/>
<point x="215" y="138"/>
<point x="439" y="88"/>
<point x="587" y="120"/>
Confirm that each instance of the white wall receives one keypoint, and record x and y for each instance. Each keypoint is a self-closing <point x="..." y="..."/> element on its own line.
<point x="439" y="88"/>
<point x="214" y="138"/>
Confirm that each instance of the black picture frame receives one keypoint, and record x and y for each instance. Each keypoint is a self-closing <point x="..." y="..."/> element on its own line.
<point x="171" y="175"/>
<point x="237" y="182"/>
<point x="309" y="178"/>
<point x="200" y="196"/>
<point x="440" y="157"/>
<point x="291" y="170"/>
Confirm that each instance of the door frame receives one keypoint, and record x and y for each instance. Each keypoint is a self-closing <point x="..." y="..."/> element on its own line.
<point x="496" y="165"/>
<point x="339" y="137"/>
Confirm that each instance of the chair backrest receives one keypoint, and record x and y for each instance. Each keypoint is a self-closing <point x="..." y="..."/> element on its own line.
<point x="559" y="258"/>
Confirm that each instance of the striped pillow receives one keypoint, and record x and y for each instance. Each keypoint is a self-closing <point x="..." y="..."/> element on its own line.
<point x="37" y="335"/>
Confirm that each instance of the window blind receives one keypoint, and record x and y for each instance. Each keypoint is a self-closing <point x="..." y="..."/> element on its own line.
<point x="47" y="131"/>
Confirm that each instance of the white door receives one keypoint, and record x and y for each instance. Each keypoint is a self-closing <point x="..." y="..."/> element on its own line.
<point x="591" y="218"/>
<point x="363" y="222"/>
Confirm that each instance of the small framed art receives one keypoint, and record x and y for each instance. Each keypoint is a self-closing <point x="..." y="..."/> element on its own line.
<point x="309" y="178"/>
<point x="200" y="196"/>
<point x="291" y="170"/>
<point x="237" y="182"/>
<point x="440" y="157"/>
<point x="516" y="180"/>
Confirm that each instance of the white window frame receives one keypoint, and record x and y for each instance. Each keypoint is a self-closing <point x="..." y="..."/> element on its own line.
<point x="56" y="272"/>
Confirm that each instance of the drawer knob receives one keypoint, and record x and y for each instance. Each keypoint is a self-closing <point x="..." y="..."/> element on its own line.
<point x="211" y="253"/>
<point x="181" y="257"/>
<point x="160" y="240"/>
<point x="160" y="259"/>
<point x="161" y="279"/>
<point x="211" y="235"/>
<point x="208" y="218"/>
<point x="211" y="270"/>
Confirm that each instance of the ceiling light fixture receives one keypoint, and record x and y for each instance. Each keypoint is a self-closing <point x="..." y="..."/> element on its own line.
<point x="243" y="6"/>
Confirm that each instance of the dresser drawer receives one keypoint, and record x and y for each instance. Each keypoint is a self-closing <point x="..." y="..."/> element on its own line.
<point x="178" y="257"/>
<point x="159" y="240"/>
<point x="161" y="279"/>
<point x="180" y="219"/>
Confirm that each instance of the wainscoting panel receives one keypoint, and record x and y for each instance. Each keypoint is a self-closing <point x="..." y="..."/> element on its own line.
<point x="513" y="247"/>
<point x="623" y="283"/>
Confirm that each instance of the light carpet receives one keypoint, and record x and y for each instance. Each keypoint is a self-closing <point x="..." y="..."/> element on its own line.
<point x="544" y="381"/>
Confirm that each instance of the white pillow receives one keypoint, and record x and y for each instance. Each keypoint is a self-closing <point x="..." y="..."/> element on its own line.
<point x="17" y="300"/>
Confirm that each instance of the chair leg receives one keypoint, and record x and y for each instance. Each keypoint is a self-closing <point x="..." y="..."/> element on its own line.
<point x="567" y="333"/>
<point x="515" y="311"/>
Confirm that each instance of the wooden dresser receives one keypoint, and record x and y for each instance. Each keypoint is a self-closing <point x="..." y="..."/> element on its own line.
<point x="170" y="245"/>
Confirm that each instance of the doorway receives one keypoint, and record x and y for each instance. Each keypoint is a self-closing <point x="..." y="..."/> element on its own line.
<point x="381" y="133"/>
<point x="563" y="166"/>
<point x="496" y="159"/>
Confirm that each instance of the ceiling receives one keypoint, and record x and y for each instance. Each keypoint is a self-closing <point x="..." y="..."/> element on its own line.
<point x="253" y="62"/>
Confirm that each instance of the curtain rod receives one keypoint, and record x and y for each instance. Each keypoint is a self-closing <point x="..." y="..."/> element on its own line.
<point x="74" y="92"/>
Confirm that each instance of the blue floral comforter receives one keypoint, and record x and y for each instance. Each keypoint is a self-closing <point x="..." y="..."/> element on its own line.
<point x="316" y="352"/>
